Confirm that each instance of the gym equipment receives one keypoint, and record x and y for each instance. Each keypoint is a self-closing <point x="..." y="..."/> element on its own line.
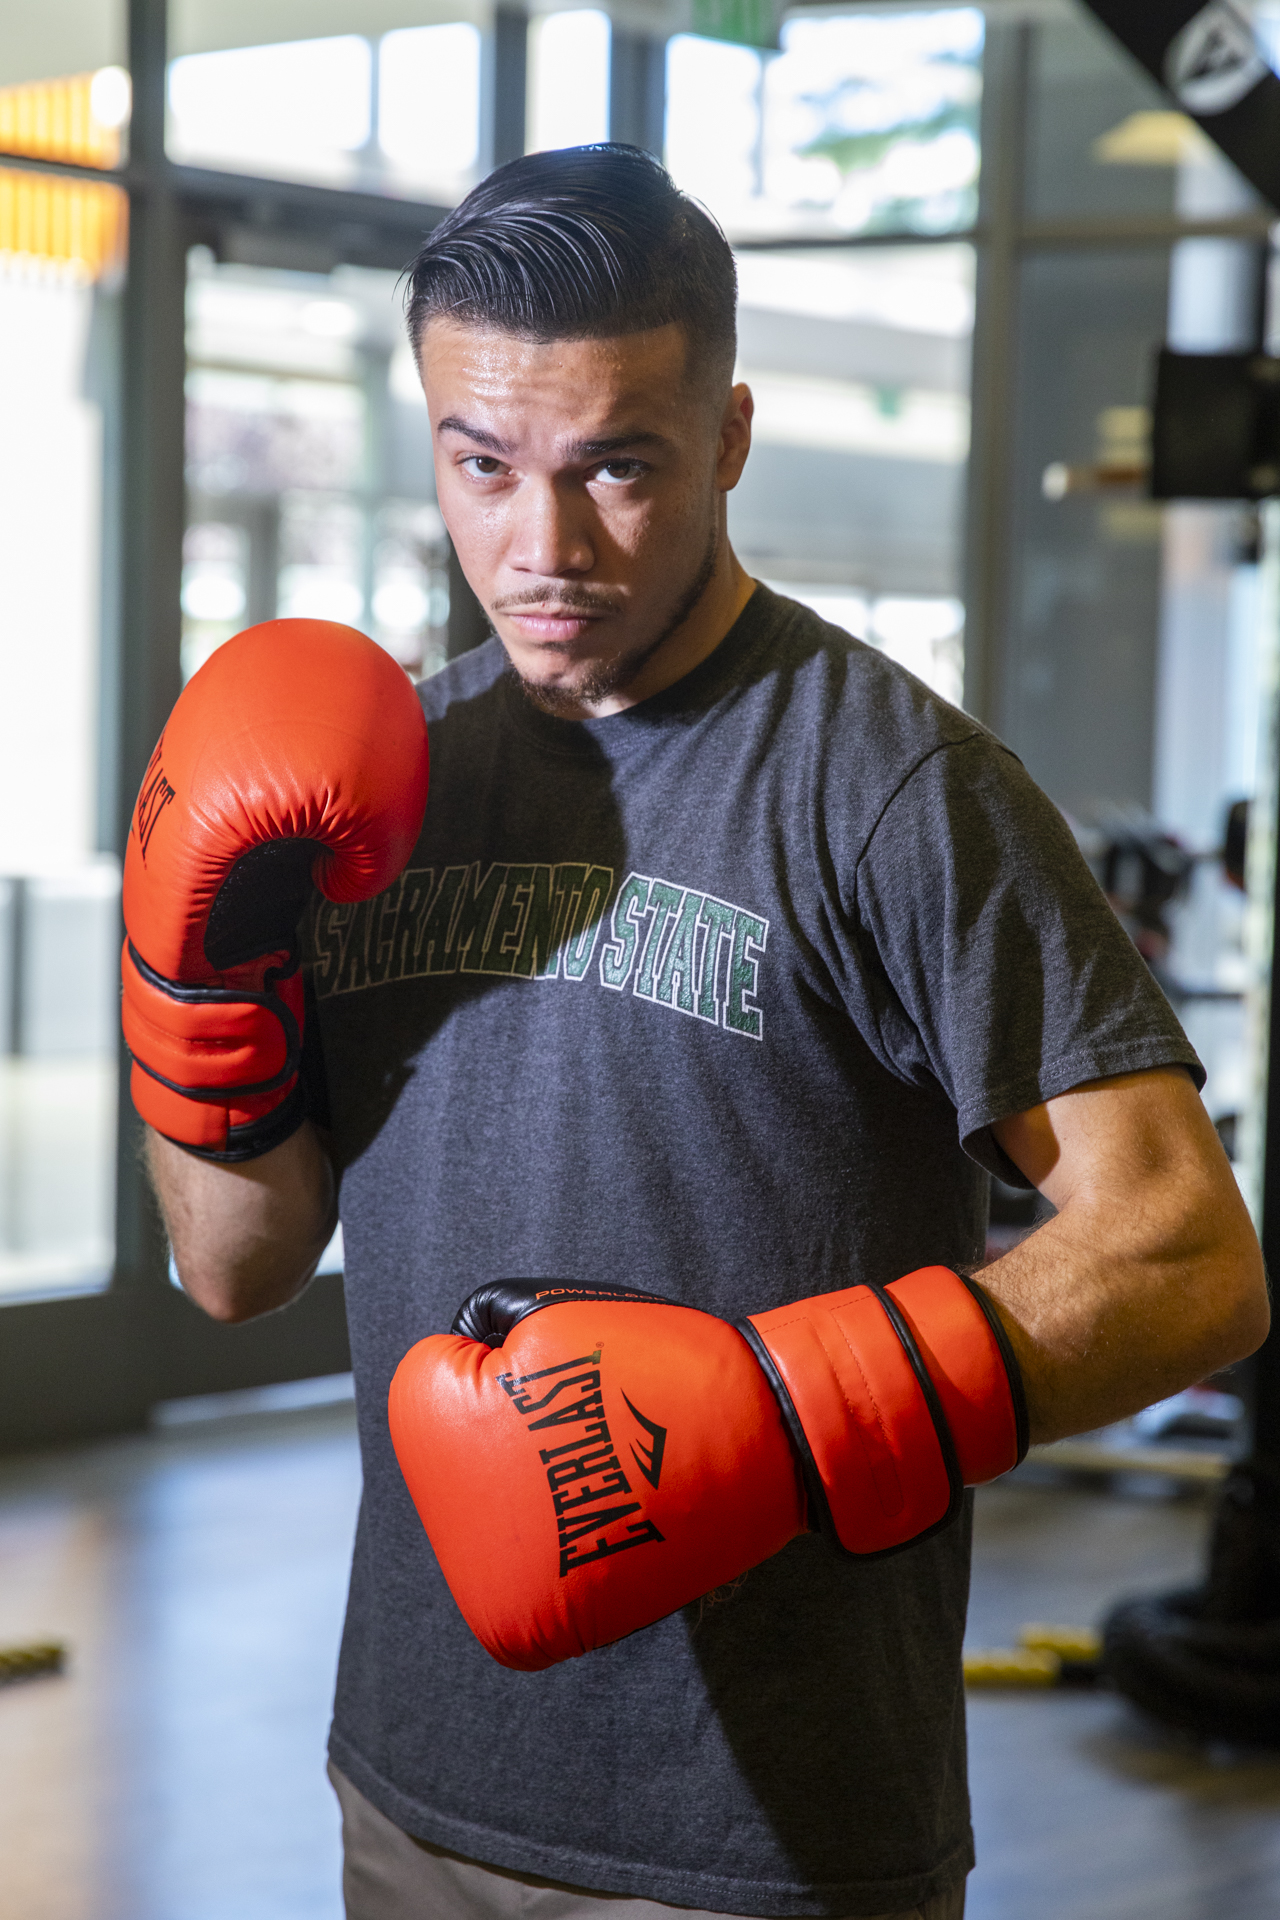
<point x="31" y="1661"/>
<point x="1206" y="1659"/>
<point x="1045" y="1656"/>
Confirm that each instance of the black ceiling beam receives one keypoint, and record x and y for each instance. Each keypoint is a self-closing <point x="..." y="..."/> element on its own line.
<point x="1209" y="62"/>
<point x="235" y="212"/>
<point x="283" y="222"/>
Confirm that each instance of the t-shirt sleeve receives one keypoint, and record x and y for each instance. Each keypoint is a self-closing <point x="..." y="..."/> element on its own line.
<point x="1006" y="977"/>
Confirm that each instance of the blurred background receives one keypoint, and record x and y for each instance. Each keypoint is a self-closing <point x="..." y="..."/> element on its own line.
<point x="963" y="235"/>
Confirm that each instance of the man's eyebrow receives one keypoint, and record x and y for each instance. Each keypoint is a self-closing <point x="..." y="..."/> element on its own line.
<point x="616" y="443"/>
<point x="452" y="424"/>
<point x="602" y="449"/>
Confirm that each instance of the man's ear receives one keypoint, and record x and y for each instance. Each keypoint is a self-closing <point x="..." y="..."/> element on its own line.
<point x="735" y="437"/>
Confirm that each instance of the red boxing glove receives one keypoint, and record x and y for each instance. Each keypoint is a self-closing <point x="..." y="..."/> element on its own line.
<point x="612" y="1457"/>
<point x="296" y="756"/>
<point x="586" y="1460"/>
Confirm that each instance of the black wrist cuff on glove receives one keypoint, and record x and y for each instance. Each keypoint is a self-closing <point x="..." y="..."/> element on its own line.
<point x="259" y="1136"/>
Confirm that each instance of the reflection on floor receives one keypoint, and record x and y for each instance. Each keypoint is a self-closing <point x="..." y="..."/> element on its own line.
<point x="175" y="1771"/>
<point x="1083" y="1810"/>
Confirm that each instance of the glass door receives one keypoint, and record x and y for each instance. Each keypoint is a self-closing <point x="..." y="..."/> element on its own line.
<point x="62" y="261"/>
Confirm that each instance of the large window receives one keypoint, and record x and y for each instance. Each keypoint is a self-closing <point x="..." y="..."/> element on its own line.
<point x="310" y="486"/>
<point x="860" y="128"/>
<point x="62" y="256"/>
<point x="568" y="83"/>
<point x="852" y="499"/>
<point x="862" y="123"/>
<point x="392" y="103"/>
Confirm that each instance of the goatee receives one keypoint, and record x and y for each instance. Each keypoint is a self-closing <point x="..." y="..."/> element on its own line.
<point x="612" y="676"/>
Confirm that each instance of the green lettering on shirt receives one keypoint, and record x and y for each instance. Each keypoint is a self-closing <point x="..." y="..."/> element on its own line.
<point x="676" y="981"/>
<point x="537" y="953"/>
<point x="664" y="899"/>
<point x="744" y="970"/>
<point x="717" y="917"/>
<point x="534" y="920"/>
<point x="432" y="917"/>
<point x="618" y="954"/>
<point x="477" y="910"/>
<point x="584" y="929"/>
<point x="508" y="927"/>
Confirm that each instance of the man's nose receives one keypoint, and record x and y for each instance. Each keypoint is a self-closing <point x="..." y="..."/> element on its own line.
<point x="551" y="535"/>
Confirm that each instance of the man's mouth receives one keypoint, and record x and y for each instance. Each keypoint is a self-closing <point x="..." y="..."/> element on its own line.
<point x="552" y="623"/>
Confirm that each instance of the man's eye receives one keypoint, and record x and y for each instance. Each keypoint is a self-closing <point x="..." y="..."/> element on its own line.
<point x="615" y="473"/>
<point x="482" y="464"/>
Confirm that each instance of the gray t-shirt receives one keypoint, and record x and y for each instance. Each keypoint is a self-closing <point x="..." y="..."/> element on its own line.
<point x="718" y="997"/>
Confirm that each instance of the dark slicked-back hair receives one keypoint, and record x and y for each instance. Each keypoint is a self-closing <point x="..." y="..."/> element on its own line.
<point x="581" y="243"/>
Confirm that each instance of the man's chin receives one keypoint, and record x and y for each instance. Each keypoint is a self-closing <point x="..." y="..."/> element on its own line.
<point x="569" y="696"/>
<point x="570" y="690"/>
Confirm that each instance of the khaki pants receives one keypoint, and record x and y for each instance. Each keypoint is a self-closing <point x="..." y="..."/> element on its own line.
<point x="387" y="1875"/>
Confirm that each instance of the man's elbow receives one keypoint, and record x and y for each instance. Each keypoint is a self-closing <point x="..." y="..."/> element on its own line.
<point x="1249" y="1318"/>
<point x="231" y="1298"/>
<point x="1235" y="1313"/>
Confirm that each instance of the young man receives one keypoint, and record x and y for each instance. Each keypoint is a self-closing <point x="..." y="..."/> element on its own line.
<point x="728" y="963"/>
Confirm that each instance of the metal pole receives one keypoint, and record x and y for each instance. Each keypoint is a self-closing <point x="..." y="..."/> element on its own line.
<point x="148" y="665"/>
<point x="638" y="90"/>
<point x="989" y="478"/>
<point x="1266" y="1362"/>
<point x="504" y="77"/>
<point x="1264" y="1369"/>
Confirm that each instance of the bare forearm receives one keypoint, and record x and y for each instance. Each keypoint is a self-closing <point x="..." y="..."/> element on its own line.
<point x="246" y="1237"/>
<point x="1101" y="1329"/>
<point x="1149" y="1277"/>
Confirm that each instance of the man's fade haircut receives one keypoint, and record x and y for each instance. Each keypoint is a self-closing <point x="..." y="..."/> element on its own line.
<point x="581" y="243"/>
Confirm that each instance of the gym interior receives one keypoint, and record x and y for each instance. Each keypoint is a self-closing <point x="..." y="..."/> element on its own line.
<point x="988" y="257"/>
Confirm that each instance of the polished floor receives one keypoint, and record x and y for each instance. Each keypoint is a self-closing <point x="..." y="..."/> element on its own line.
<point x="175" y="1771"/>
<point x="1083" y="1810"/>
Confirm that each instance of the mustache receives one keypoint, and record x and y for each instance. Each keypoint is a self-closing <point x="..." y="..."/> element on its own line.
<point x="567" y="599"/>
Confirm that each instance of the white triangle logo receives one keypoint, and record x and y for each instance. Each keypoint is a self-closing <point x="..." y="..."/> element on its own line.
<point x="1214" y="62"/>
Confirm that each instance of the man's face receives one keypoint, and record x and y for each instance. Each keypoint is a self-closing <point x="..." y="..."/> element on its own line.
<point x="583" y="486"/>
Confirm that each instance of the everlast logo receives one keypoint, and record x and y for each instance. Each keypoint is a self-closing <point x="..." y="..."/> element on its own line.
<point x="154" y="798"/>
<point x="584" y="1472"/>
